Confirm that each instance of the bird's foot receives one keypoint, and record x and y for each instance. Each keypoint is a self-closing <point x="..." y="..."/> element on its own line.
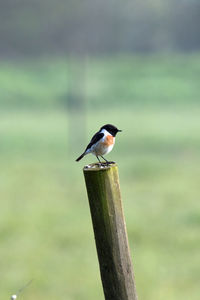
<point x="107" y="163"/>
<point x="111" y="162"/>
<point x="104" y="164"/>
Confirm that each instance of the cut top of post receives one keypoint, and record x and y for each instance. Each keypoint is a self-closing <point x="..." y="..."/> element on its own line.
<point x="98" y="166"/>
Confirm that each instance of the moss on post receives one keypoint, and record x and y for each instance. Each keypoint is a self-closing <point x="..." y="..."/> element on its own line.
<point x="110" y="232"/>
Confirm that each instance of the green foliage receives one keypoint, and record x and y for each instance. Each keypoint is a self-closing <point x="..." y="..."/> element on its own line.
<point x="45" y="225"/>
<point x="138" y="80"/>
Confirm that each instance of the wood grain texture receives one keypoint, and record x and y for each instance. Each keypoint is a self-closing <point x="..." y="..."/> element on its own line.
<point x="110" y="232"/>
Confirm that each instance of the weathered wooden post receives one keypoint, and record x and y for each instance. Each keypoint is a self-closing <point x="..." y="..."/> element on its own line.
<point x="116" y="269"/>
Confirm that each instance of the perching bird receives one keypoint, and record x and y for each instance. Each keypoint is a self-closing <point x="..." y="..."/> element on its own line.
<point x="102" y="142"/>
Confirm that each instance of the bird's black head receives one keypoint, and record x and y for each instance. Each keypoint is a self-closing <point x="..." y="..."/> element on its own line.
<point x="111" y="129"/>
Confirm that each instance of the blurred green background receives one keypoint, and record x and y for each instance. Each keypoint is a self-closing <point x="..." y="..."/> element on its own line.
<point x="67" y="68"/>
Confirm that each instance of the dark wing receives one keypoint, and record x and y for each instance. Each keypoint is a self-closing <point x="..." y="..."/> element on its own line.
<point x="94" y="140"/>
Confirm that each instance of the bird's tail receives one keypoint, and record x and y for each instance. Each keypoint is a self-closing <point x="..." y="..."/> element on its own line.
<point x="80" y="157"/>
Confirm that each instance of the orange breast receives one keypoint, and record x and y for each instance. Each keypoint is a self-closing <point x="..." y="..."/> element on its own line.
<point x="109" y="140"/>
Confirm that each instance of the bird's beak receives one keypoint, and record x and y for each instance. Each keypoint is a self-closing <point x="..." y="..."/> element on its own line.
<point x="119" y="130"/>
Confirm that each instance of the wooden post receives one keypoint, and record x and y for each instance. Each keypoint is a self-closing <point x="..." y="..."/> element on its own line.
<point x="110" y="232"/>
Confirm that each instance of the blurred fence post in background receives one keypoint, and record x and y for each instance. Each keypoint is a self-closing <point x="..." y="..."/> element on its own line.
<point x="76" y="101"/>
<point x="110" y="232"/>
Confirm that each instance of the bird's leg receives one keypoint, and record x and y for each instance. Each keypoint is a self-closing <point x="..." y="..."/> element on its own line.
<point x="98" y="159"/>
<point x="107" y="162"/>
<point x="105" y="159"/>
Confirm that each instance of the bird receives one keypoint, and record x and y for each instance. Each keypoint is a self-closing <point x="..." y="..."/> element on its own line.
<point x="102" y="142"/>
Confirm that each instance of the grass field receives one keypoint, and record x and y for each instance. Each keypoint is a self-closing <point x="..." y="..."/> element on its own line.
<point x="45" y="226"/>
